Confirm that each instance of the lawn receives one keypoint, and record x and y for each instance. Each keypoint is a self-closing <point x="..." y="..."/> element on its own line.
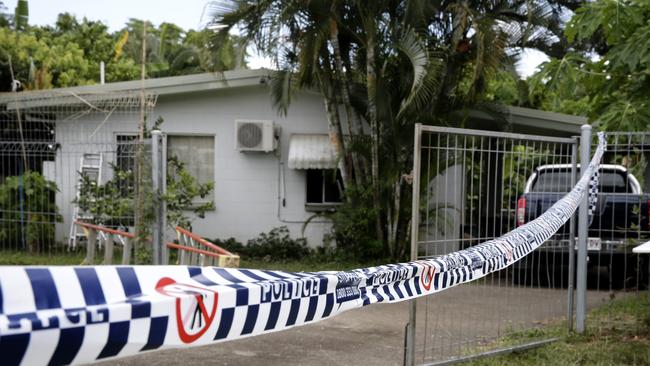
<point x="307" y="265"/>
<point x="22" y="258"/>
<point x="617" y="334"/>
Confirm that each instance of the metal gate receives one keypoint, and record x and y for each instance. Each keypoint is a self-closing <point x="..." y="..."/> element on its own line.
<point x="467" y="189"/>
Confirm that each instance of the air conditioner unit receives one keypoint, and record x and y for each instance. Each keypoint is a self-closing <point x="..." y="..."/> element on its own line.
<point x="255" y="135"/>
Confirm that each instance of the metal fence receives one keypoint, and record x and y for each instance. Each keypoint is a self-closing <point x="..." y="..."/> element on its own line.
<point x="621" y="222"/>
<point x="67" y="157"/>
<point x="474" y="186"/>
<point x="470" y="184"/>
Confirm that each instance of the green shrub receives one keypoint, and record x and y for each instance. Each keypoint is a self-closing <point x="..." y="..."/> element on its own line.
<point x="276" y="245"/>
<point x="29" y="213"/>
<point x="353" y="229"/>
<point x="231" y="245"/>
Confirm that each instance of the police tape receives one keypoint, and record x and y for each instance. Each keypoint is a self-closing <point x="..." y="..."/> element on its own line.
<point x="74" y="315"/>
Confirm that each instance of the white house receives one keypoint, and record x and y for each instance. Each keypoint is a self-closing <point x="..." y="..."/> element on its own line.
<point x="254" y="192"/>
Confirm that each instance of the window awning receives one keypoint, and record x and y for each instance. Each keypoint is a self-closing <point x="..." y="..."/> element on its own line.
<point x="311" y="152"/>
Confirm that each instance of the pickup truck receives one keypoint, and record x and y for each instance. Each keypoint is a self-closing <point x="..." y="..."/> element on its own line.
<point x="621" y="216"/>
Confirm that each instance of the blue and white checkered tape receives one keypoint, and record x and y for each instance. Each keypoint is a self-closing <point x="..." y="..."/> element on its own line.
<point x="75" y="315"/>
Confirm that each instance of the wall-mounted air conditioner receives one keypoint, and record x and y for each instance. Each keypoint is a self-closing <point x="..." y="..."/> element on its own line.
<point x="255" y="135"/>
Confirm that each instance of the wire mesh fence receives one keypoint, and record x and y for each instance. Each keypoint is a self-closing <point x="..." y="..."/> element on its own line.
<point x="476" y="186"/>
<point x="621" y="221"/>
<point x="66" y="157"/>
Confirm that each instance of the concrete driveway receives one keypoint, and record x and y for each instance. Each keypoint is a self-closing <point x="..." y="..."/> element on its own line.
<point x="462" y="317"/>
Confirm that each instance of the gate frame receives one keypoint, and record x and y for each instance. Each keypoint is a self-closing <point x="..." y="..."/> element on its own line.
<point x="409" y="347"/>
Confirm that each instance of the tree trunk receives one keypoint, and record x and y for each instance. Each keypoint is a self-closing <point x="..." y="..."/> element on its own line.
<point x="334" y="131"/>
<point x="139" y="214"/>
<point x="393" y="221"/>
<point x="371" y="84"/>
<point x="354" y="125"/>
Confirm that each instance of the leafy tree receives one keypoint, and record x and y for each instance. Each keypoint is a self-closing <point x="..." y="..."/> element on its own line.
<point x="40" y="65"/>
<point x="69" y="52"/>
<point x="21" y="15"/>
<point x="605" y="76"/>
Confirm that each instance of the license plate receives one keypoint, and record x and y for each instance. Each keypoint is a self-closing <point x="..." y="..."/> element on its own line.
<point x="593" y="244"/>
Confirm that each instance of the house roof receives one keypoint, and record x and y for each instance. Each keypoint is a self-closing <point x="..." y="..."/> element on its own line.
<point x="524" y="120"/>
<point x="126" y="90"/>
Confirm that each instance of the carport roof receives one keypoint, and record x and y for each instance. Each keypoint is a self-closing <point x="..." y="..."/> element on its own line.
<point x="528" y="121"/>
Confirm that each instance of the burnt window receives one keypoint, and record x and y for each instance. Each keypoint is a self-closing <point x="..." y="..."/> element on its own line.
<point x="324" y="186"/>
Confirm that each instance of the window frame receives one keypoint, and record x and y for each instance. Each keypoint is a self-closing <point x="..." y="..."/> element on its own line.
<point x="133" y="141"/>
<point x="323" y="205"/>
<point x="198" y="201"/>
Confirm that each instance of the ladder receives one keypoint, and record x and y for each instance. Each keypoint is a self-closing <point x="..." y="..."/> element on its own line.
<point x="90" y="165"/>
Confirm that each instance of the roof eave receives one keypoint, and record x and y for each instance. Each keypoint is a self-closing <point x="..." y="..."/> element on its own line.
<point x="160" y="86"/>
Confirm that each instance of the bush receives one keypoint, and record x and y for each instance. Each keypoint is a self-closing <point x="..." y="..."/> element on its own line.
<point x="354" y="228"/>
<point x="28" y="200"/>
<point x="276" y="245"/>
<point x="231" y="245"/>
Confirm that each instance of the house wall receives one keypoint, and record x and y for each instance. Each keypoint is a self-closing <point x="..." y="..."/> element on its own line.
<point x="246" y="185"/>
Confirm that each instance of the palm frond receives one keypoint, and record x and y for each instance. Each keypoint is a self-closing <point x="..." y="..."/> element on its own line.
<point x="416" y="51"/>
<point x="282" y="87"/>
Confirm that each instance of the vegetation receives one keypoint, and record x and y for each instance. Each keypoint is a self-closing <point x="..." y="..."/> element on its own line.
<point x="23" y="258"/>
<point x="69" y="53"/>
<point x="113" y="202"/>
<point x="617" y="334"/>
<point x="277" y="250"/>
<point x="380" y="68"/>
<point x="389" y="64"/>
<point x="28" y="213"/>
<point x="305" y="265"/>
<point x="275" y="245"/>
<point x="605" y="74"/>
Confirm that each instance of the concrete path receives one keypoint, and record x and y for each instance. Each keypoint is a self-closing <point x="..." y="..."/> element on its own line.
<point x="465" y="316"/>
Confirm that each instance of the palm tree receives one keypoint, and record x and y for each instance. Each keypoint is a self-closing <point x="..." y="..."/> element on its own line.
<point x="392" y="63"/>
<point x="206" y="51"/>
<point x="298" y="32"/>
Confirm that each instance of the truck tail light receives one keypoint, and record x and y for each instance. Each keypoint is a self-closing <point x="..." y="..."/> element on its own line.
<point x="521" y="211"/>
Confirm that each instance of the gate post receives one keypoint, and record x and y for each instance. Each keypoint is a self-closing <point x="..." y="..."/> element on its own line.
<point x="583" y="233"/>
<point x="157" y="178"/>
<point x="409" y="351"/>
<point x="163" y="204"/>
<point x="572" y="241"/>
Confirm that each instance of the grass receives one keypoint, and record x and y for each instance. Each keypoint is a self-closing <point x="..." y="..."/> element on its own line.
<point x="25" y="259"/>
<point x="308" y="265"/>
<point x="617" y="334"/>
